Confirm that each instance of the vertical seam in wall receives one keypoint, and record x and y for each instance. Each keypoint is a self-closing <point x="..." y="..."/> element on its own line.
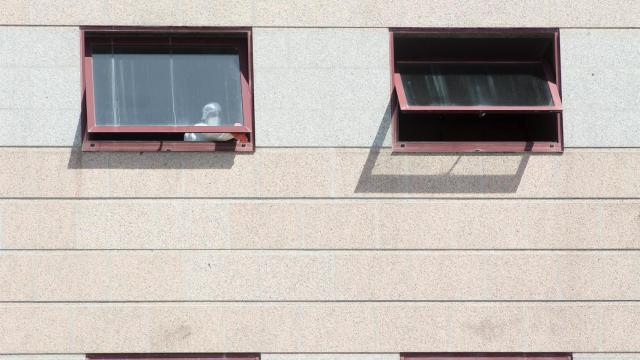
<point x="257" y="167"/>
<point x="450" y="328"/>
<point x="334" y="170"/>
<point x="556" y="277"/>
<point x="377" y="220"/>
<point x="2" y="220"/>
<point x="526" y="339"/>
<point x="229" y="213"/>
<point x="76" y="229"/>
<point x="601" y="329"/>
<point x="302" y="226"/>
<point x="182" y="186"/>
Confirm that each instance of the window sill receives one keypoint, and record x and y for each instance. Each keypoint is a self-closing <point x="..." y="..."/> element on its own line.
<point x="159" y="146"/>
<point x="470" y="147"/>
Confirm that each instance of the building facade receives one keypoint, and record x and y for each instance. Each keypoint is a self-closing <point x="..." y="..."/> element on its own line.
<point x="323" y="241"/>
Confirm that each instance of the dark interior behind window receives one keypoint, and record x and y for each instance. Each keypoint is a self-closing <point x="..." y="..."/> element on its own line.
<point x="476" y="90"/>
<point x="478" y="127"/>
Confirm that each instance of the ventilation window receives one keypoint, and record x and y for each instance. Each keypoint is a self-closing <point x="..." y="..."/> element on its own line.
<point x="159" y="90"/>
<point x="484" y="90"/>
<point x="173" y="356"/>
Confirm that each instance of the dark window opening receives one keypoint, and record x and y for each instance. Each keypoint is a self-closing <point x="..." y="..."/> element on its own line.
<point x="476" y="90"/>
<point x="477" y="127"/>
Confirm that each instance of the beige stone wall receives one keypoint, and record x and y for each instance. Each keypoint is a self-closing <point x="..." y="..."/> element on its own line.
<point x="121" y="253"/>
<point x="326" y="13"/>
<point x="318" y="173"/>
<point x="320" y="327"/>
<point x="319" y="276"/>
<point x="308" y="224"/>
<point x="321" y="241"/>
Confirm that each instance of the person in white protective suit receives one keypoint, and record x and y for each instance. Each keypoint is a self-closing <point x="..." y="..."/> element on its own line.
<point x="210" y="117"/>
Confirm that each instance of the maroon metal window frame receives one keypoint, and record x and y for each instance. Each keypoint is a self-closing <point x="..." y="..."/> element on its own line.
<point x="173" y="356"/>
<point x="485" y="356"/>
<point x="163" y="38"/>
<point x="400" y="103"/>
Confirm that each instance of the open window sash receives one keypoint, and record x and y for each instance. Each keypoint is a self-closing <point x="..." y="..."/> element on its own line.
<point x="406" y="106"/>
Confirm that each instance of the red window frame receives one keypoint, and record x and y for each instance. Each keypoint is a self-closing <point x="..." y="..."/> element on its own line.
<point x="165" y="37"/>
<point x="400" y="103"/>
<point x="173" y="356"/>
<point x="485" y="356"/>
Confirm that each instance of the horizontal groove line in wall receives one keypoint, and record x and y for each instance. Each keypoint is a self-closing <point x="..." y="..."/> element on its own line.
<point x="334" y="26"/>
<point x="426" y="250"/>
<point x="314" y="302"/>
<point x="306" y="353"/>
<point x="37" y="355"/>
<point x="18" y="355"/>
<point x="367" y="198"/>
<point x="337" y="250"/>
<point x="367" y="147"/>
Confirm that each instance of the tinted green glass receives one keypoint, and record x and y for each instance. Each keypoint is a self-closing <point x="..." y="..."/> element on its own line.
<point x="475" y="84"/>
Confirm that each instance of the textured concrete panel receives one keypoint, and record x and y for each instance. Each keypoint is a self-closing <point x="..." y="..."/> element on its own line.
<point x="36" y="88"/>
<point x="619" y="356"/>
<point x="338" y="13"/>
<point x="318" y="173"/>
<point x="600" y="77"/>
<point x="30" y="127"/>
<point x="320" y="87"/>
<point x="319" y="224"/>
<point x="40" y="92"/>
<point x="318" y="276"/>
<point x="14" y="12"/>
<point x="39" y="46"/>
<point x="315" y="327"/>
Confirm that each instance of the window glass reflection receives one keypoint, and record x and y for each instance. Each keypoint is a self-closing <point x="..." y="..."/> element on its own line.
<point x="165" y="89"/>
<point x="475" y="84"/>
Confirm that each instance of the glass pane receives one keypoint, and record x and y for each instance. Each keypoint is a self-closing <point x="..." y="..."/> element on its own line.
<point x="465" y="84"/>
<point x="160" y="89"/>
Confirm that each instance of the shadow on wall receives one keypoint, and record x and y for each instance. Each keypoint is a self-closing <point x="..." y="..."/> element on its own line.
<point x="146" y="160"/>
<point x="151" y="160"/>
<point x="416" y="173"/>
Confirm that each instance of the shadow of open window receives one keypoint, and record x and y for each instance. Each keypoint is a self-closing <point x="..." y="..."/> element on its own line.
<point x="485" y="173"/>
<point x="143" y="160"/>
<point x="150" y="160"/>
